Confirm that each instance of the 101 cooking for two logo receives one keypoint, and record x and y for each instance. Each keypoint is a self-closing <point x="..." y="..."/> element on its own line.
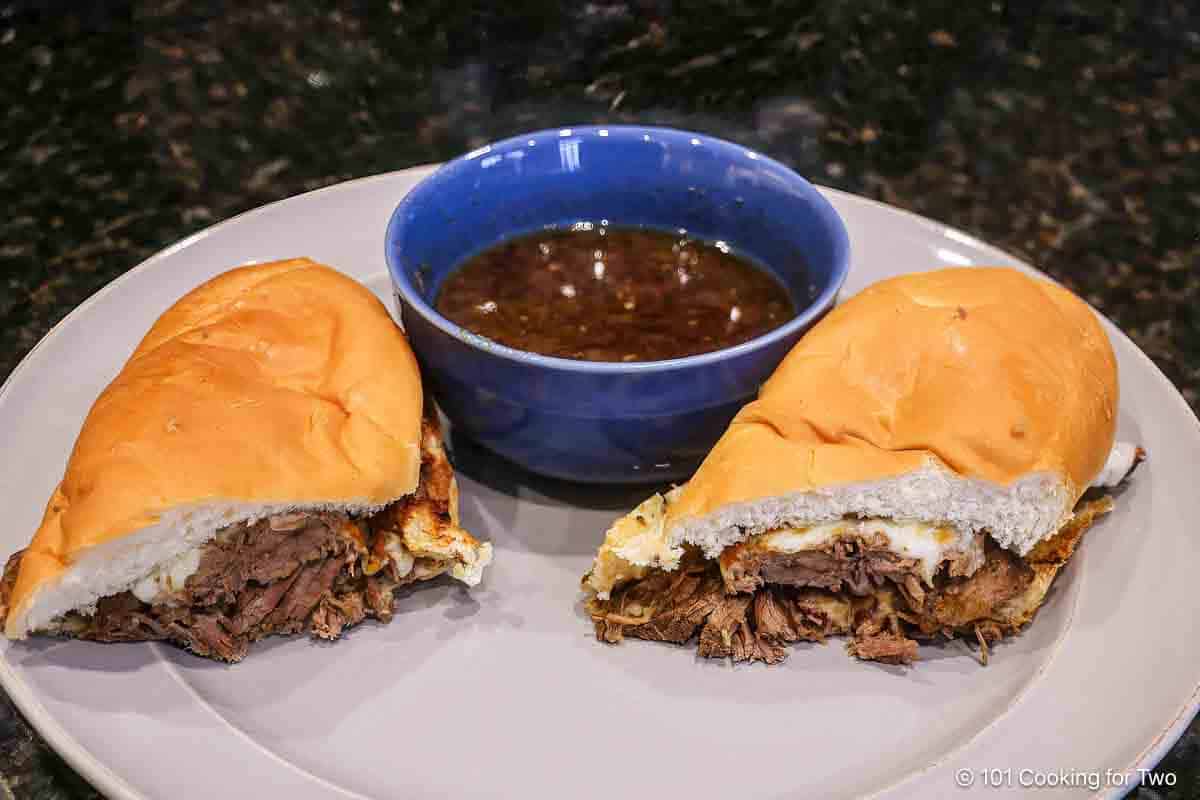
<point x="1094" y="780"/>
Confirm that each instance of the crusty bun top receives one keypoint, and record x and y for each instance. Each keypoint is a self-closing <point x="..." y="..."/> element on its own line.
<point x="285" y="382"/>
<point x="985" y="371"/>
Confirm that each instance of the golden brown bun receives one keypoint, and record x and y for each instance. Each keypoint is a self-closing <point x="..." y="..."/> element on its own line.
<point x="285" y="382"/>
<point x="994" y="374"/>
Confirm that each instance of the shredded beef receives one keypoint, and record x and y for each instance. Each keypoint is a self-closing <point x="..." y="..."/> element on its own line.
<point x="962" y="601"/>
<point x="378" y="596"/>
<point x="751" y="604"/>
<point x="674" y="607"/>
<point x="773" y="618"/>
<point x="337" y="611"/>
<point x="885" y="646"/>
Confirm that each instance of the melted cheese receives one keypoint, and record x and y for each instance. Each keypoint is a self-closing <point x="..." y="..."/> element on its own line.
<point x="929" y="544"/>
<point x="401" y="558"/>
<point x="168" y="577"/>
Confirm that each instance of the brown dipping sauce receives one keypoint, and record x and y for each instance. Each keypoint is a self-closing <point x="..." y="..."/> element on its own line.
<point x="613" y="295"/>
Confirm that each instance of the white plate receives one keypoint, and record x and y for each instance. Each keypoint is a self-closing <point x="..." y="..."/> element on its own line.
<point x="504" y="692"/>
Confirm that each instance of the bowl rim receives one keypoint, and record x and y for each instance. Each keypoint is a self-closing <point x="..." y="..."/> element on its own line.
<point x="824" y="300"/>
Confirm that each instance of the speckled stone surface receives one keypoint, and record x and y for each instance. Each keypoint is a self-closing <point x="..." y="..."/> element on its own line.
<point x="1065" y="132"/>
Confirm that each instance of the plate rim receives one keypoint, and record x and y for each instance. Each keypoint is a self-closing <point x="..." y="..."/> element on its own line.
<point x="108" y="783"/>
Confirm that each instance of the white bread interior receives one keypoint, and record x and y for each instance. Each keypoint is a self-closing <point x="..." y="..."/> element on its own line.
<point x="980" y="399"/>
<point x="1017" y="516"/>
<point x="272" y="388"/>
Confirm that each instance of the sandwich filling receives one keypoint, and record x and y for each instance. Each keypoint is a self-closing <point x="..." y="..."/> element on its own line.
<point x="884" y="583"/>
<point x="819" y="554"/>
<point x="314" y="572"/>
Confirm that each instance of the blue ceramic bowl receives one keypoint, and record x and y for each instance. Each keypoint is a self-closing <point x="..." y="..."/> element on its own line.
<point x="606" y="422"/>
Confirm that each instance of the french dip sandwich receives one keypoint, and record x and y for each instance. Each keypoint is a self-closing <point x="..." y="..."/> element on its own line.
<point x="263" y="463"/>
<point x="915" y="468"/>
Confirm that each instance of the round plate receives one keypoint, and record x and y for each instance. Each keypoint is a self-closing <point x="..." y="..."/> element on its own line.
<point x="503" y="690"/>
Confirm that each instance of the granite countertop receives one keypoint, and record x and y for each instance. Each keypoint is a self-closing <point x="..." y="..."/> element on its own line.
<point x="1065" y="132"/>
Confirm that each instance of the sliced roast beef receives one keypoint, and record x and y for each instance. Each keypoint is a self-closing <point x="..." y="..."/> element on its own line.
<point x="858" y="564"/>
<point x="208" y="636"/>
<point x="260" y="553"/>
<point x="256" y="602"/>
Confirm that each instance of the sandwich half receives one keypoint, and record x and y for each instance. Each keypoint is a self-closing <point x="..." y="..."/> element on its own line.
<point x="915" y="468"/>
<point x="263" y="463"/>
